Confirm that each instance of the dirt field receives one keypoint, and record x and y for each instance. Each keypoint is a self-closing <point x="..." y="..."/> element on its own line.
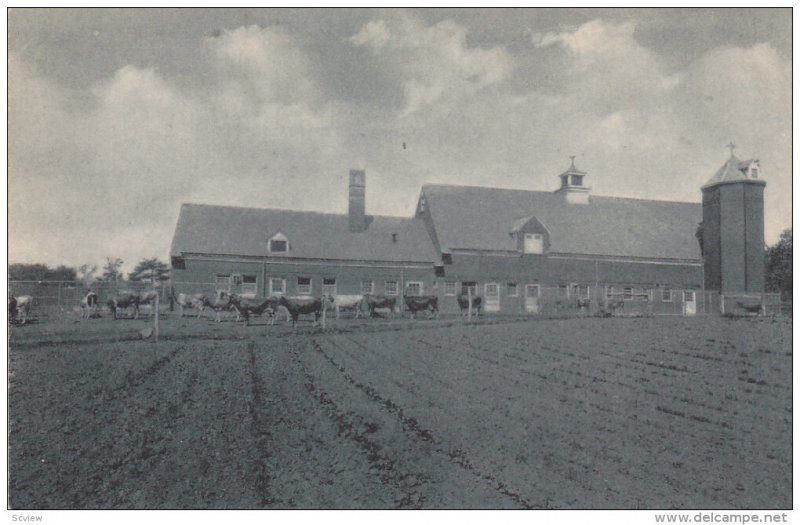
<point x="582" y="413"/>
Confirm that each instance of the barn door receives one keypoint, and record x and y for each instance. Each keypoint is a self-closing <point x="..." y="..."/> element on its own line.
<point x="532" y="298"/>
<point x="492" y="297"/>
<point x="689" y="303"/>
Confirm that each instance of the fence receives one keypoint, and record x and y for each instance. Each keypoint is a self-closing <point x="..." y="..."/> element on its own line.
<point x="531" y="299"/>
<point x="64" y="296"/>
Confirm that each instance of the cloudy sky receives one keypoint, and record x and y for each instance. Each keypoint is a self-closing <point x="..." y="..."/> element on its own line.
<point x="118" y="116"/>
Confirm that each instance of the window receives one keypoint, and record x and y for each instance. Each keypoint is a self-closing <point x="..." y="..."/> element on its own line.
<point x="579" y="291"/>
<point x="577" y="180"/>
<point x="236" y="279"/>
<point x="278" y="246"/>
<point x="512" y="289"/>
<point x="279" y="243"/>
<point x="533" y="243"/>
<point x="666" y="295"/>
<point x="688" y="296"/>
<point x="414" y="288"/>
<point x="627" y="294"/>
<point x="563" y="291"/>
<point x="304" y="285"/>
<point x="532" y="291"/>
<point x="249" y="286"/>
<point x="391" y="287"/>
<point x="449" y="287"/>
<point x="611" y="291"/>
<point x="277" y="286"/>
<point x="470" y="286"/>
<point x="329" y="285"/>
<point x="368" y="286"/>
<point x="222" y="283"/>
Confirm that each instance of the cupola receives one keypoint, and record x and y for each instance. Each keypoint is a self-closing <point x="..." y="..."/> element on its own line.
<point x="573" y="187"/>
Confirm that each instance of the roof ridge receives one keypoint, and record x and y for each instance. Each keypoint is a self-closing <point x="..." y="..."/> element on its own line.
<point x="593" y="196"/>
<point x="284" y="210"/>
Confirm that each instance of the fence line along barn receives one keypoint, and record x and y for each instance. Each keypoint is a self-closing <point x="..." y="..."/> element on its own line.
<point x="521" y="251"/>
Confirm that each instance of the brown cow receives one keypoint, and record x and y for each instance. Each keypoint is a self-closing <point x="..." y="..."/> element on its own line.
<point x="422" y="303"/>
<point x="298" y="306"/>
<point x="379" y="301"/>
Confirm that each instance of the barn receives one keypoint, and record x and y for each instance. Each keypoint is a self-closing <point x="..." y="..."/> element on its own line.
<point x="521" y="251"/>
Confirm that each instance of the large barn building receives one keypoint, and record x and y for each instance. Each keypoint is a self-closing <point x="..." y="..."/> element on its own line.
<point x="521" y="251"/>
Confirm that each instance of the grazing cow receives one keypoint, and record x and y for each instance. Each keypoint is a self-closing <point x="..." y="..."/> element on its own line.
<point x="348" y="302"/>
<point x="298" y="306"/>
<point x="89" y="303"/>
<point x="197" y="301"/>
<point x="463" y="303"/>
<point x="422" y="303"/>
<point x="379" y="301"/>
<point x="19" y="308"/>
<point x="122" y="300"/>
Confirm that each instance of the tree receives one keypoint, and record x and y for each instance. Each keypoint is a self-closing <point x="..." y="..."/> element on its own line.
<point x="40" y="272"/>
<point x="111" y="269"/>
<point x="151" y="270"/>
<point x="778" y="266"/>
<point x="86" y="273"/>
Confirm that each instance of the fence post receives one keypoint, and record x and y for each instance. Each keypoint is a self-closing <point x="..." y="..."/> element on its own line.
<point x="155" y="320"/>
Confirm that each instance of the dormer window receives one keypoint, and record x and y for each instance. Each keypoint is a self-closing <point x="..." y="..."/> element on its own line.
<point x="530" y="236"/>
<point x="577" y="180"/>
<point x="279" y="244"/>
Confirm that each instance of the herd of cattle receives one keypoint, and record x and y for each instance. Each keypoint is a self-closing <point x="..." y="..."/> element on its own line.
<point x="271" y="308"/>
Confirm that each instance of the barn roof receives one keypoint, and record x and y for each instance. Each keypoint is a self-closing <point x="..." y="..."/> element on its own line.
<point x="207" y="229"/>
<point x="470" y="217"/>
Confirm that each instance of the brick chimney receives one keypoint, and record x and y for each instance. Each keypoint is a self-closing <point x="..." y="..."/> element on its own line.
<point x="357" y="209"/>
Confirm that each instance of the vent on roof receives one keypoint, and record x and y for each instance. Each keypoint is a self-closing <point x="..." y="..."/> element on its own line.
<point x="572" y="185"/>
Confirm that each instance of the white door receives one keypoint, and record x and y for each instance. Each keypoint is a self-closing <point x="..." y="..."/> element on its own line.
<point x="492" y="297"/>
<point x="532" y="298"/>
<point x="689" y="303"/>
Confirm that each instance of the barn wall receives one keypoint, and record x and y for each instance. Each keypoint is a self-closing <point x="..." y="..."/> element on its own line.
<point x="199" y="275"/>
<point x="548" y="272"/>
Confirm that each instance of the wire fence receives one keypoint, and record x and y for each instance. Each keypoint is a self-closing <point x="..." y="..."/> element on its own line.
<point x="53" y="297"/>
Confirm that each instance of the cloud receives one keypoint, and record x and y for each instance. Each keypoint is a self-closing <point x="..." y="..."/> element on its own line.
<point x="103" y="172"/>
<point x="434" y="60"/>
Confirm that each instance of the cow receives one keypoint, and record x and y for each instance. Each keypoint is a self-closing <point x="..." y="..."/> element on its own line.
<point x="19" y="308"/>
<point x="197" y="301"/>
<point x="463" y="303"/>
<point x="348" y="302"/>
<point x="89" y="303"/>
<point x="422" y="303"/>
<point x="225" y="302"/>
<point x="148" y="297"/>
<point x="379" y="301"/>
<point x="298" y="306"/>
<point x="12" y="309"/>
<point x="124" y="299"/>
<point x="267" y="307"/>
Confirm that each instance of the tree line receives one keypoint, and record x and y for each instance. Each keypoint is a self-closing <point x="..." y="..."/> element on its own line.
<point x="146" y="270"/>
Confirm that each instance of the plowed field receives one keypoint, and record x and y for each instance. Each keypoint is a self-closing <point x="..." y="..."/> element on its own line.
<point x="582" y="413"/>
